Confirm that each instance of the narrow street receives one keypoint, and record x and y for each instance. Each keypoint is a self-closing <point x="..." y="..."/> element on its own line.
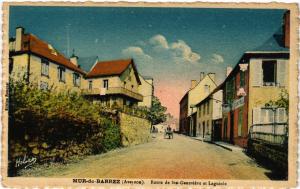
<point x="181" y="157"/>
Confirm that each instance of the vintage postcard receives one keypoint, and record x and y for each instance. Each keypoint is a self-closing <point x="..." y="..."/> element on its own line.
<point x="141" y="95"/>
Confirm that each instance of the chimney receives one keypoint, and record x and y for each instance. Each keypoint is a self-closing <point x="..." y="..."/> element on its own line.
<point x="201" y="75"/>
<point x="212" y="76"/>
<point x="19" y="34"/>
<point x="286" y="29"/>
<point x="228" y="70"/>
<point x="74" y="58"/>
<point x="193" y="83"/>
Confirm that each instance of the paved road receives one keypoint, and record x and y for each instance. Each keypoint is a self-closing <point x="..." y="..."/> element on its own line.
<point x="181" y="157"/>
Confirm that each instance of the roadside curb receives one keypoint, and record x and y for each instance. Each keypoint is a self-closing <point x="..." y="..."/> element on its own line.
<point x="210" y="142"/>
<point x="227" y="148"/>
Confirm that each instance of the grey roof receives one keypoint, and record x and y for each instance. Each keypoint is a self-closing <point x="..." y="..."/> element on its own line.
<point x="86" y="63"/>
<point x="274" y="43"/>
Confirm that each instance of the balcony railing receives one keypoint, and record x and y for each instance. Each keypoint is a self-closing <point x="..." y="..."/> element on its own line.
<point x="276" y="133"/>
<point x="113" y="90"/>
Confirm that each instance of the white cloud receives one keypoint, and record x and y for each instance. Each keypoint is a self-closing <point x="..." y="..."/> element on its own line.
<point x="136" y="53"/>
<point x="216" y="58"/>
<point x="158" y="50"/>
<point x="159" y="41"/>
<point x="181" y="50"/>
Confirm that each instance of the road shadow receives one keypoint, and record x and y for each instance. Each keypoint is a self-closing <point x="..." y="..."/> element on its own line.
<point x="275" y="172"/>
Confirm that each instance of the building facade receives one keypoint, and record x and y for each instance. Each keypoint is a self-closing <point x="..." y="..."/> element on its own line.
<point x="115" y="84"/>
<point x="209" y="116"/>
<point x="41" y="64"/>
<point x="259" y="77"/>
<point x="188" y="110"/>
<point x="146" y="88"/>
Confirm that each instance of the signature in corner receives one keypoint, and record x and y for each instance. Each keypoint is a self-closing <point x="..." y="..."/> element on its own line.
<point x="27" y="161"/>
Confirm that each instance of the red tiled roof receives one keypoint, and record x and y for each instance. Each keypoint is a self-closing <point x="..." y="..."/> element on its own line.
<point x="108" y="68"/>
<point x="111" y="68"/>
<point x="35" y="45"/>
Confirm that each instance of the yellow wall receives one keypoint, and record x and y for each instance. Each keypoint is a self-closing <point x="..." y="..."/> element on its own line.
<point x="259" y="96"/>
<point x="204" y="117"/>
<point x="113" y="81"/>
<point x="198" y="93"/>
<point x="129" y="77"/>
<point x="146" y="89"/>
<point x="21" y="62"/>
<point x="19" y="66"/>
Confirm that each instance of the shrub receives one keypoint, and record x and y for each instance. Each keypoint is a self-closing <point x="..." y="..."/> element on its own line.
<point x="53" y="126"/>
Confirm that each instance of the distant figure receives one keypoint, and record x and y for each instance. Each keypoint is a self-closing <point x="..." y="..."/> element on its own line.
<point x="169" y="128"/>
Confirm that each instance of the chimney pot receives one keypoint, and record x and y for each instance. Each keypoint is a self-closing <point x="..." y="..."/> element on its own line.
<point x="201" y="75"/>
<point x="212" y="76"/>
<point x="74" y="59"/>
<point x="19" y="35"/>
<point x="193" y="83"/>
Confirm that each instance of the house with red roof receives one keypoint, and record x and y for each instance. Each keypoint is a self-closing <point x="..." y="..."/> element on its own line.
<point x="39" y="62"/>
<point x="114" y="83"/>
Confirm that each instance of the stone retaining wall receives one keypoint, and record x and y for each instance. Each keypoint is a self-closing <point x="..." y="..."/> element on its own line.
<point x="134" y="130"/>
<point x="275" y="155"/>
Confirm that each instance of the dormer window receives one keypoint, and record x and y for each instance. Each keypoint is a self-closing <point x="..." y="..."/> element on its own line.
<point x="61" y="74"/>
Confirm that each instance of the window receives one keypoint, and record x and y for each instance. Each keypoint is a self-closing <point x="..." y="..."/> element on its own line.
<point x="240" y="122"/>
<point x="242" y="79"/>
<point x="90" y="85"/>
<point x="61" y="74"/>
<point x="269" y="72"/>
<point x="76" y="79"/>
<point x="105" y="83"/>
<point x="204" y="108"/>
<point x="45" y="68"/>
<point x="43" y="85"/>
<point x="230" y="90"/>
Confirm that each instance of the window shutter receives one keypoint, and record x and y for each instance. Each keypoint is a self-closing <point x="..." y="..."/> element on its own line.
<point x="256" y="113"/>
<point x="270" y="116"/>
<point x="281" y="72"/>
<point x="281" y="115"/>
<point x="257" y="72"/>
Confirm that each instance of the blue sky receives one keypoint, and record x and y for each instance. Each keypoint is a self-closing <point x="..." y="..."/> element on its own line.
<point x="173" y="45"/>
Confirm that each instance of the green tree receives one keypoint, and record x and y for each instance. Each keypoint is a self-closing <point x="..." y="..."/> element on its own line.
<point x="157" y="112"/>
<point x="281" y="102"/>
